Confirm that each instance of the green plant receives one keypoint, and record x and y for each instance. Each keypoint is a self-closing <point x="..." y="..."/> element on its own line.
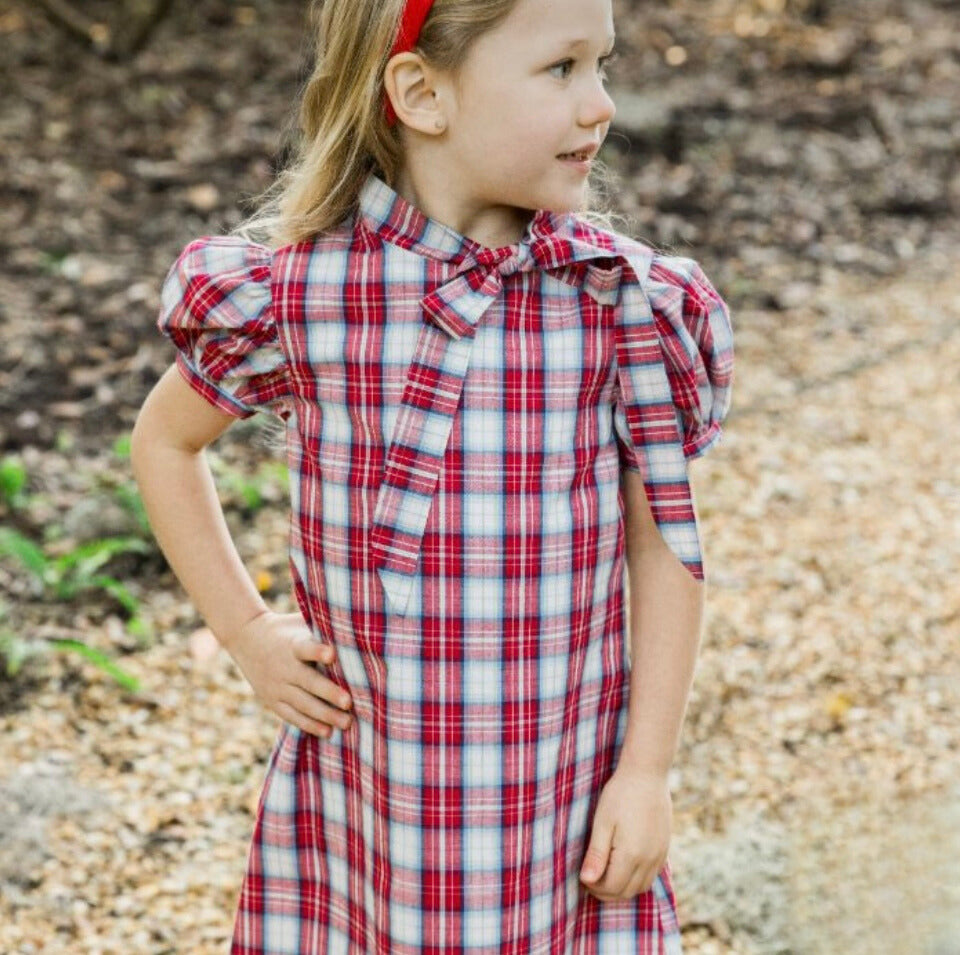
<point x="63" y="577"/>
<point x="121" y="447"/>
<point x="249" y="490"/>
<point x="128" y="497"/>
<point x="13" y="480"/>
<point x="127" y="493"/>
<point x="51" y="260"/>
<point x="246" y="488"/>
<point x="14" y="650"/>
<point x="99" y="659"/>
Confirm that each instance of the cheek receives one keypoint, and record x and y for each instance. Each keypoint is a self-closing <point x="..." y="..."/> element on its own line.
<point x="529" y="130"/>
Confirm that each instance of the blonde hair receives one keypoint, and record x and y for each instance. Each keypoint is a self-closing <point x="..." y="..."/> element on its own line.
<point x="343" y="133"/>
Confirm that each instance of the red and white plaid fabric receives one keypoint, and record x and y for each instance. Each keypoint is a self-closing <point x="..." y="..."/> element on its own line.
<point x="457" y="419"/>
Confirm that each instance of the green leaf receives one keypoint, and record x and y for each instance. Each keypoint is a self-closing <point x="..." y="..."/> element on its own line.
<point x="138" y="627"/>
<point x="101" y="661"/>
<point x="247" y="490"/>
<point x="13" y="479"/>
<point x="275" y="471"/>
<point x="116" y="589"/>
<point x="89" y="557"/>
<point x="251" y="495"/>
<point x="50" y="260"/>
<point x="14" y="544"/>
<point x="131" y="501"/>
<point x="14" y="650"/>
<point x="121" y="447"/>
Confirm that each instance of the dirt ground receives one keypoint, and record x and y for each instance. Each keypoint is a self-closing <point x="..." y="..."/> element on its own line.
<point x="806" y="153"/>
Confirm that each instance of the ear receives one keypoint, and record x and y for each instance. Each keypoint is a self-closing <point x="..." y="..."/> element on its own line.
<point x="413" y="90"/>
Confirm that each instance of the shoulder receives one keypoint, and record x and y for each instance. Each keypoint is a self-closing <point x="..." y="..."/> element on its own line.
<point x="295" y="260"/>
<point x="234" y="264"/>
<point x="660" y="273"/>
<point x="217" y="280"/>
<point x="674" y="288"/>
<point x="218" y="266"/>
<point x="603" y="240"/>
<point x="233" y="254"/>
<point x="677" y="279"/>
<point x="212" y="254"/>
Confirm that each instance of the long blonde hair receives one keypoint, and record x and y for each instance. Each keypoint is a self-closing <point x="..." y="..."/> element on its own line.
<point x="343" y="133"/>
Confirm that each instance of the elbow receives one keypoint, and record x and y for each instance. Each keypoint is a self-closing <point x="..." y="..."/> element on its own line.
<point x="139" y="444"/>
<point x="170" y="419"/>
<point x="147" y="437"/>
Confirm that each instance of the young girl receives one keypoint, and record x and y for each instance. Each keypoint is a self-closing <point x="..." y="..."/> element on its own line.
<point x="488" y="403"/>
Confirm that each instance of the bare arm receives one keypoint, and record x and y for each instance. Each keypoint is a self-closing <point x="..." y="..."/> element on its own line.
<point x="275" y="652"/>
<point x="167" y="455"/>
<point x="634" y="811"/>
<point x="666" y="607"/>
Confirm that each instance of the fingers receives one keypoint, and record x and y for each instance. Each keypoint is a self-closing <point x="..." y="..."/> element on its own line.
<point x="615" y="878"/>
<point x="608" y="872"/>
<point x="291" y="715"/>
<point x="316" y="683"/>
<point x="623" y="879"/>
<point x="309" y="650"/>
<point x="595" y="860"/>
<point x="317" y="701"/>
<point x="316" y="712"/>
<point x="641" y="881"/>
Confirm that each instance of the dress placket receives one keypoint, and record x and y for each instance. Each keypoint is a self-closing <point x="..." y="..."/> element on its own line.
<point x="428" y="405"/>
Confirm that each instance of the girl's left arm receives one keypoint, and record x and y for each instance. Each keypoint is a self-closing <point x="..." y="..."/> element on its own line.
<point x="666" y="611"/>
<point x="631" y="827"/>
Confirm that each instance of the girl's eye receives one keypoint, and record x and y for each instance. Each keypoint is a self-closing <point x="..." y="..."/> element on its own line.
<point x="604" y="62"/>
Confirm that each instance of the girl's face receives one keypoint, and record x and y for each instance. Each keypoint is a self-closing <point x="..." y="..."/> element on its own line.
<point x="529" y="91"/>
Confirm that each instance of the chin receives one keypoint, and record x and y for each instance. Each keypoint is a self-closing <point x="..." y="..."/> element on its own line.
<point x="564" y="205"/>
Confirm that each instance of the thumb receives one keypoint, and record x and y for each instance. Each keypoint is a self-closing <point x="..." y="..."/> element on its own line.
<point x="598" y="852"/>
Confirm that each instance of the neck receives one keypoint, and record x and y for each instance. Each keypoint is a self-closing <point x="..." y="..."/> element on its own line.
<point x="442" y="198"/>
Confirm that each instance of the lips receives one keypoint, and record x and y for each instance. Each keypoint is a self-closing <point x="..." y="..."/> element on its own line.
<point x="580" y="155"/>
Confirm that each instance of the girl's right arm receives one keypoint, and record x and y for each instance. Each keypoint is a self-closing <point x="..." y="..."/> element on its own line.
<point x="274" y="651"/>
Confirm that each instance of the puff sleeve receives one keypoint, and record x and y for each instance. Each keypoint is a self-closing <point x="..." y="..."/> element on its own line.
<point x="216" y="308"/>
<point x="695" y="336"/>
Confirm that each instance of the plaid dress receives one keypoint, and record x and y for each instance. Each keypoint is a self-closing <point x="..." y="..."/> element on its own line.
<point x="457" y="419"/>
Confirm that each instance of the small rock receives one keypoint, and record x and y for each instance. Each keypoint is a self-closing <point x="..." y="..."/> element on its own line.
<point x="92" y="518"/>
<point x="737" y="881"/>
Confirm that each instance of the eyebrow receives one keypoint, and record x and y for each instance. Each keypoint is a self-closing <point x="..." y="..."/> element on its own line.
<point x="574" y="44"/>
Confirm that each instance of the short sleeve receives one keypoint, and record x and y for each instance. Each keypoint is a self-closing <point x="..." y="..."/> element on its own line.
<point x="695" y="336"/>
<point x="216" y="308"/>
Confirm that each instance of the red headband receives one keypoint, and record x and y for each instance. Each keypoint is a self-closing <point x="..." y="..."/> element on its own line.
<point x="411" y="23"/>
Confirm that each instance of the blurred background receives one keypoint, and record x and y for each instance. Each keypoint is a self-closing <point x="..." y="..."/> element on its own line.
<point x="805" y="152"/>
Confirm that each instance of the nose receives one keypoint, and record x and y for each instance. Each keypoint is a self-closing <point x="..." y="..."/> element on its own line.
<point x="600" y="108"/>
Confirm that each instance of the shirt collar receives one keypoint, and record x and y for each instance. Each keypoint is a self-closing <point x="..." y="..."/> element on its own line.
<point x="390" y="216"/>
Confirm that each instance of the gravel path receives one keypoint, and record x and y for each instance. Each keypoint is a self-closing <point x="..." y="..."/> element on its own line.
<point x="817" y="805"/>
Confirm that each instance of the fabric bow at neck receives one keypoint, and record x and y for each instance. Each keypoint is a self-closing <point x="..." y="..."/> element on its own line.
<point x="435" y="380"/>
